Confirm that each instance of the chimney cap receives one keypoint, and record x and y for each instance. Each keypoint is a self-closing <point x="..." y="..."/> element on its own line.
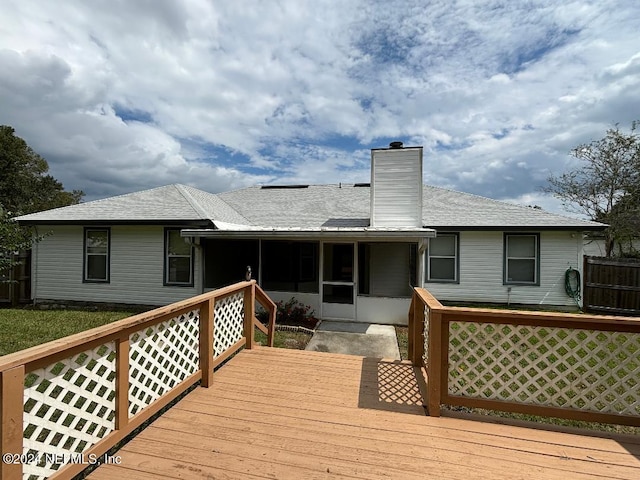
<point x="395" y="145"/>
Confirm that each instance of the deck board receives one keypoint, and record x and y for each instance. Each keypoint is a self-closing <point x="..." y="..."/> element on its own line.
<point x="274" y="413"/>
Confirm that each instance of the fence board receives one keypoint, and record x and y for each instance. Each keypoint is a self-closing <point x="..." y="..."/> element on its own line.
<point x="612" y="286"/>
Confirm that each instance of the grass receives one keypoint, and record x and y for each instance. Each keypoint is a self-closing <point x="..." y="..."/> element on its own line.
<point x="402" y="334"/>
<point x="283" y="339"/>
<point x="24" y="328"/>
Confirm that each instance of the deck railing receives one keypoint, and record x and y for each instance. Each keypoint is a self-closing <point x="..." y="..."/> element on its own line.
<point x="64" y="404"/>
<point x="579" y="367"/>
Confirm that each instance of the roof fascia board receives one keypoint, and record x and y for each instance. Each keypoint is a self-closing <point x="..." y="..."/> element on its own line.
<point x="520" y="228"/>
<point x="343" y="234"/>
<point x="177" y="222"/>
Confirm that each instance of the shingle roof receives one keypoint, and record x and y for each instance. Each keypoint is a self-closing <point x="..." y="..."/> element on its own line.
<point x="313" y="206"/>
<point x="444" y="208"/>
<point x="171" y="203"/>
<point x="348" y="206"/>
<point x="308" y="207"/>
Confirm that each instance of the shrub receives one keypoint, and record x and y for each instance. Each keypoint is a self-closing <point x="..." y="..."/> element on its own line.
<point x="291" y="312"/>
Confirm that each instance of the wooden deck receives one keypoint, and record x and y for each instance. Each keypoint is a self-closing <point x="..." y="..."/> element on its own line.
<point x="275" y="413"/>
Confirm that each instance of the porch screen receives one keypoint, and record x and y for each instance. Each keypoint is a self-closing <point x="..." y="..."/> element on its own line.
<point x="289" y="266"/>
<point x="226" y="261"/>
<point x="386" y="269"/>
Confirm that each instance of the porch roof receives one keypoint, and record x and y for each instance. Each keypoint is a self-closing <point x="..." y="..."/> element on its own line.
<point x="249" y="231"/>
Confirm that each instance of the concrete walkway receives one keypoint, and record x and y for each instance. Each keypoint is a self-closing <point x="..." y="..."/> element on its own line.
<point x="364" y="339"/>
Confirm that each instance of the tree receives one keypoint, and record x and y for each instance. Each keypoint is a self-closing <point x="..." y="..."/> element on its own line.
<point x="25" y="187"/>
<point x="606" y="187"/>
<point x="13" y="239"/>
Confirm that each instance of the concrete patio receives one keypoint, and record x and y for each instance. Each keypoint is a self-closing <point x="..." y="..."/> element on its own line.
<point x="349" y="338"/>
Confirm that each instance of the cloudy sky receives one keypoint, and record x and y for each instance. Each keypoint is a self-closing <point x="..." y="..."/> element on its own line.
<point x="123" y="95"/>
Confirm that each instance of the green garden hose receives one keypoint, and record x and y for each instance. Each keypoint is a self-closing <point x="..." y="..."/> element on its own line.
<point x="572" y="284"/>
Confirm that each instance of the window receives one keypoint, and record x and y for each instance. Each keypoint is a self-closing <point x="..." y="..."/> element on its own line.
<point x="521" y="259"/>
<point x="442" y="258"/>
<point x="178" y="259"/>
<point x="96" y="254"/>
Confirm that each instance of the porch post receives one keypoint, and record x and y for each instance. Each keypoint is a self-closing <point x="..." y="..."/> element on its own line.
<point x="437" y="359"/>
<point x="422" y="247"/>
<point x="207" y="310"/>
<point x="249" y="313"/>
<point x="11" y="427"/>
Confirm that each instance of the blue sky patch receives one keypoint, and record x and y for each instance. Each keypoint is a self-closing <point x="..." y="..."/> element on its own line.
<point x="536" y="49"/>
<point x="132" y="115"/>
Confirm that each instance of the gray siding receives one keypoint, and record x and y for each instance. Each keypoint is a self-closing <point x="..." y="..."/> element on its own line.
<point x="137" y="263"/>
<point x="481" y="271"/>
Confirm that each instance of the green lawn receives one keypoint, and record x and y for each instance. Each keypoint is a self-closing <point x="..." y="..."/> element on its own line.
<point x="24" y="328"/>
<point x="284" y="339"/>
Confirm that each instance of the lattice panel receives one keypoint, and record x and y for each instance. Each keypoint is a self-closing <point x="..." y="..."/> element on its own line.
<point x="425" y="335"/>
<point x="228" y="322"/>
<point x="68" y="407"/>
<point x="161" y="357"/>
<point x="560" y="367"/>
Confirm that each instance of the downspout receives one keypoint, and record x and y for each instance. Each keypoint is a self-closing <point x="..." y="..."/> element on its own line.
<point x="200" y="252"/>
<point x="580" y="264"/>
<point x="321" y="277"/>
<point x="34" y="270"/>
<point x="259" y="279"/>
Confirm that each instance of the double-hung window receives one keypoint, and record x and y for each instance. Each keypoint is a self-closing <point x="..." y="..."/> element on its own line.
<point x="443" y="258"/>
<point x="96" y="254"/>
<point x="178" y="263"/>
<point x="522" y="259"/>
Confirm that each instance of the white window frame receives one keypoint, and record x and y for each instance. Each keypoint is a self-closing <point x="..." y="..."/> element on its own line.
<point x="535" y="258"/>
<point x="455" y="257"/>
<point x="87" y="254"/>
<point x="168" y="256"/>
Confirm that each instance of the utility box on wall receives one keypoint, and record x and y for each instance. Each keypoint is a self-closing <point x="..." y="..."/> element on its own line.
<point x="396" y="186"/>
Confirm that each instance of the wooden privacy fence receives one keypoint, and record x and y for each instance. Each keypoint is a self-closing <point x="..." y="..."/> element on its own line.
<point x="15" y="283"/>
<point x="612" y="286"/>
<point x="64" y="404"/>
<point x="579" y="367"/>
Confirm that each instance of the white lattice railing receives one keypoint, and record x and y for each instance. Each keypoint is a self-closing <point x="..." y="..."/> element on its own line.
<point x="550" y="364"/>
<point x="64" y="404"/>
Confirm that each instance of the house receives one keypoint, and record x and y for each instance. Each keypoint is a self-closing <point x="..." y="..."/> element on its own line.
<point x="350" y="251"/>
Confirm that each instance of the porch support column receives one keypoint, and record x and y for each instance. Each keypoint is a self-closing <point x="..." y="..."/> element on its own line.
<point x="422" y="248"/>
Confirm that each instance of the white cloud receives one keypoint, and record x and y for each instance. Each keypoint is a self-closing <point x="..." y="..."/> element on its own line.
<point x="121" y="95"/>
